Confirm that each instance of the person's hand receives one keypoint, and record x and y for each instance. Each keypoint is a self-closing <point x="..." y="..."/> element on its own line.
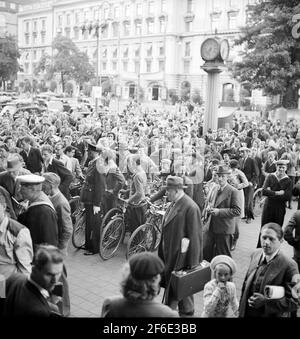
<point x="110" y="191"/>
<point x="214" y="211"/>
<point x="281" y="192"/>
<point x="221" y="285"/>
<point x="250" y="184"/>
<point x="96" y="209"/>
<point x="257" y="300"/>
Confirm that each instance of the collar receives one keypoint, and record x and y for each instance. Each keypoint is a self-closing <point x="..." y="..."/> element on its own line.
<point x="54" y="195"/>
<point x="222" y="188"/>
<point x="270" y="257"/>
<point x="178" y="198"/>
<point x="43" y="292"/>
<point x="4" y="224"/>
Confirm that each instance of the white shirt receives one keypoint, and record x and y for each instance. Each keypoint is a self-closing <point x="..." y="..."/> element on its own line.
<point x="270" y="257"/>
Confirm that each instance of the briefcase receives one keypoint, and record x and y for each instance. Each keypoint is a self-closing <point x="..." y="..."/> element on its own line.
<point x="188" y="282"/>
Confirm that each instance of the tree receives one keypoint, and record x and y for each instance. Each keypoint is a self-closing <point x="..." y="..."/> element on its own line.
<point x="271" y="55"/>
<point x="9" y="55"/>
<point x="196" y="97"/>
<point x="68" y="61"/>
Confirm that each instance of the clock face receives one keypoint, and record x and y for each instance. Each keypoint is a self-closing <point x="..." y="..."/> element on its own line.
<point x="210" y="49"/>
<point x="224" y="49"/>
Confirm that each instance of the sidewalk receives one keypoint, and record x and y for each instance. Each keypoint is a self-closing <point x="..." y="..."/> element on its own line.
<point x="91" y="279"/>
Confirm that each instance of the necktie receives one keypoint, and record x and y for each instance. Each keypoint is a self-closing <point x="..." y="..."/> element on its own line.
<point x="169" y="210"/>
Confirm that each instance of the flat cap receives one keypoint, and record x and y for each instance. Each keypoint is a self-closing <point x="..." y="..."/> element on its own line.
<point x="145" y="265"/>
<point x="223" y="259"/>
<point x="30" y="179"/>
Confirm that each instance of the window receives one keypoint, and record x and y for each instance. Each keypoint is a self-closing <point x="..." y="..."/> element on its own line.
<point x="104" y="66"/>
<point x="125" y="66"/>
<point x="151" y="7"/>
<point x="85" y="34"/>
<point x="186" y="67"/>
<point x="115" y="53"/>
<point x="127" y="10"/>
<point x="34" y="55"/>
<point x="104" y="54"/>
<point x="68" y="33"/>
<point x="138" y="28"/>
<point x="77" y="18"/>
<point x="189" y="5"/>
<point x="60" y="20"/>
<point x="126" y="28"/>
<point x="137" y="52"/>
<point x="68" y="20"/>
<point x="139" y="9"/>
<point x="105" y="31"/>
<point x="117" y="12"/>
<point x="13" y="6"/>
<point x="188" y="26"/>
<point x="163" y="5"/>
<point x="34" y="26"/>
<point x="27" y="27"/>
<point x="2" y="3"/>
<point x="27" y="39"/>
<point x="161" y="50"/>
<point x="85" y="16"/>
<point x="114" y="65"/>
<point x="215" y="24"/>
<point x="34" y="39"/>
<point x="232" y="22"/>
<point x="26" y="67"/>
<point x="106" y="10"/>
<point x="149" y="50"/>
<point x="125" y="52"/>
<point x="187" y="52"/>
<point x="161" y="65"/>
<point x="148" y="66"/>
<point x="150" y="27"/>
<point x="76" y="34"/>
<point x="137" y="67"/>
<point x="42" y="52"/>
<point x="217" y="4"/>
<point x="96" y="14"/>
<point x="43" y="24"/>
<point x="115" y="26"/>
<point x="43" y="38"/>
<point x="162" y="25"/>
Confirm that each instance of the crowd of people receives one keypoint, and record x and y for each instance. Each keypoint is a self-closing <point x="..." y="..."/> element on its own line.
<point x="146" y="154"/>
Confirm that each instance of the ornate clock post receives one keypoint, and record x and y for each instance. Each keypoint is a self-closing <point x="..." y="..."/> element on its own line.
<point x="213" y="52"/>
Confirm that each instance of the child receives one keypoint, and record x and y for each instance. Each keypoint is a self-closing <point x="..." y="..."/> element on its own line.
<point x="220" y="292"/>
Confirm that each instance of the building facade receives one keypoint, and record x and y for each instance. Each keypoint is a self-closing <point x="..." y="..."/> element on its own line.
<point x="146" y="45"/>
<point x="8" y="17"/>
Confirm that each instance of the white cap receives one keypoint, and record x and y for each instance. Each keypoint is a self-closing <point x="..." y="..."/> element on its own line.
<point x="32" y="179"/>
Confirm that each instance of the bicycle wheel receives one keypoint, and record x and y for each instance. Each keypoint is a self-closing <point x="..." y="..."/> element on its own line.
<point x="258" y="202"/>
<point x="143" y="239"/>
<point x="109" y="215"/>
<point x="75" y="207"/>
<point x="78" y="235"/>
<point x="111" y="237"/>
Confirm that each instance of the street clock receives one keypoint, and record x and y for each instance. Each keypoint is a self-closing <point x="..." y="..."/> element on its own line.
<point x="213" y="49"/>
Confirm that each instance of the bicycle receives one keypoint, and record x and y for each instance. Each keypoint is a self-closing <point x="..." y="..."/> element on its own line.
<point x="147" y="236"/>
<point x="258" y="202"/>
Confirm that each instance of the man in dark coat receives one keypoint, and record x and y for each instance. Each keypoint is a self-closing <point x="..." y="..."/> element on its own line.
<point x="182" y="220"/>
<point x="223" y="211"/>
<point x="40" y="217"/>
<point x="53" y="165"/>
<point x="32" y="297"/>
<point x="32" y="156"/>
<point x="269" y="267"/>
<point x="91" y="195"/>
<point x="250" y="168"/>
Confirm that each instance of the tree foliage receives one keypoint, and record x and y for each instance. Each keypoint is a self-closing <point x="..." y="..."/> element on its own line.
<point x="68" y="61"/>
<point x="9" y="55"/>
<point x="271" y="55"/>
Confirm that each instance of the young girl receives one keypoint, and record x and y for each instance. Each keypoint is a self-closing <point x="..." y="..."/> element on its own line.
<point x="220" y="293"/>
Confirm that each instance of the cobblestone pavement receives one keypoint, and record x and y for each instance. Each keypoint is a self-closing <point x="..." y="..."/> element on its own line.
<point x="91" y="279"/>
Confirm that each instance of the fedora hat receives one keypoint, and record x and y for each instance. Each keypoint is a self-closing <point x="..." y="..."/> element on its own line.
<point x="13" y="163"/>
<point x="282" y="162"/>
<point x="223" y="170"/>
<point x="174" y="182"/>
<point x="244" y="149"/>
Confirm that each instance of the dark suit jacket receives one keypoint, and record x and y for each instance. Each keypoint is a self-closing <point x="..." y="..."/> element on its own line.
<point x="114" y="180"/>
<point x="229" y="205"/>
<point x="7" y="181"/>
<point x="183" y="221"/>
<point x="65" y="175"/>
<point x="294" y="239"/>
<point x="119" y="307"/>
<point x="250" y="168"/>
<point x="280" y="272"/>
<point x="24" y="299"/>
<point x="34" y="160"/>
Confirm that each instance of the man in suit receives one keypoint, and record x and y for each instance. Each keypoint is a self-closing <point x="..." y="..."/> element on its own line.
<point x="40" y="217"/>
<point x="33" y="296"/>
<point x="32" y="156"/>
<point x="65" y="229"/>
<point x="223" y="211"/>
<point x="269" y="267"/>
<point x="250" y="168"/>
<point x="182" y="220"/>
<point x="53" y="165"/>
<point x="92" y="195"/>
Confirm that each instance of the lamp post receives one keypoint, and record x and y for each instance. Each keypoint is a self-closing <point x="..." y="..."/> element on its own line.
<point x="98" y="28"/>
